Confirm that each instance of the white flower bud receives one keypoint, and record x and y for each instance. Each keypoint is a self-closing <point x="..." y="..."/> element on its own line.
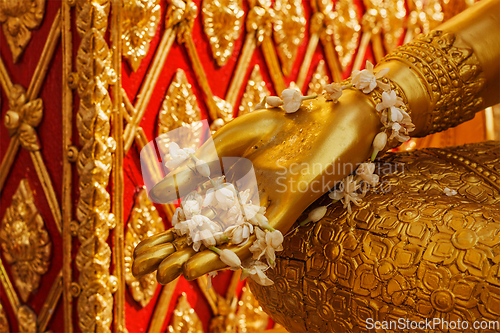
<point x="202" y="168"/>
<point x="380" y="141"/>
<point x="317" y="214"/>
<point x="230" y="258"/>
<point x="274" y="101"/>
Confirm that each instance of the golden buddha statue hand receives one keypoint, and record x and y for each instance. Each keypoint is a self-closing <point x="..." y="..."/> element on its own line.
<point x="442" y="80"/>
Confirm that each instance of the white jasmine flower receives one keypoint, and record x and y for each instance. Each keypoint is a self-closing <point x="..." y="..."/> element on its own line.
<point x="223" y="194"/>
<point x="177" y="155"/>
<point x="249" y="210"/>
<point x="274" y="101"/>
<point x="266" y="244"/>
<point x="365" y="172"/>
<point x="239" y="234"/>
<point x="178" y="216"/>
<point x="399" y="132"/>
<point x="378" y="144"/>
<point x="261" y="105"/>
<point x="230" y="258"/>
<point x="202" y="168"/>
<point x="366" y="80"/>
<point x="191" y="208"/>
<point x="202" y="230"/>
<point x="209" y="279"/>
<point x="333" y="92"/>
<point x="317" y="214"/>
<point x="292" y="99"/>
<point x="260" y="220"/>
<point x="449" y="192"/>
<point x="255" y="270"/>
<point x="389" y="100"/>
<point x="347" y="193"/>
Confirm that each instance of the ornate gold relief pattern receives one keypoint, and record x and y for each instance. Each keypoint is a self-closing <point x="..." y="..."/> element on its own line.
<point x="144" y="222"/>
<point x="401" y="254"/>
<point x="319" y="79"/>
<point x="289" y="30"/>
<point x="4" y="323"/>
<point x="185" y="320"/>
<point x="346" y="31"/>
<point x="179" y="108"/>
<point x="255" y="91"/>
<point x="222" y="22"/>
<point x="23" y="117"/>
<point x="94" y="74"/>
<point x="26" y="319"/>
<point x="140" y="19"/>
<point x="18" y="18"/>
<point x="452" y="99"/>
<point x="25" y="242"/>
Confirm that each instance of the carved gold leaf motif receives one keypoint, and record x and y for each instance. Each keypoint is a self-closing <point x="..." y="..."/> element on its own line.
<point x="144" y="222"/>
<point x="319" y="79"/>
<point x="346" y="30"/>
<point x="255" y="91"/>
<point x="93" y="76"/>
<point x="222" y="22"/>
<point x="23" y="117"/>
<point x="27" y="320"/>
<point x="289" y="30"/>
<point x="250" y="316"/>
<point x="393" y="15"/>
<point x="25" y="242"/>
<point x="185" y="320"/>
<point x="18" y="18"/>
<point x="179" y="108"/>
<point x="139" y="22"/>
<point x="4" y="323"/>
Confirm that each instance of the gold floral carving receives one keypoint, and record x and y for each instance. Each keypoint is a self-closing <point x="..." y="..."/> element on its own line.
<point x="222" y="22"/>
<point x="18" y="18"/>
<point x="185" y="320"/>
<point x="289" y="31"/>
<point x="319" y="79"/>
<point x="26" y="319"/>
<point x="23" y="117"/>
<point x="401" y="254"/>
<point x="144" y="222"/>
<point x="93" y="76"/>
<point x="179" y="108"/>
<point x="255" y="91"/>
<point x="140" y="19"/>
<point x="4" y="323"/>
<point x="25" y="242"/>
<point x="346" y="31"/>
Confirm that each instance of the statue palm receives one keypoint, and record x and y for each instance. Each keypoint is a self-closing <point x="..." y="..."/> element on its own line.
<point x="296" y="157"/>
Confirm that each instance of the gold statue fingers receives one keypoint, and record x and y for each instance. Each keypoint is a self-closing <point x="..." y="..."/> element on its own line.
<point x="148" y="243"/>
<point x="149" y="260"/>
<point x="171" y="267"/>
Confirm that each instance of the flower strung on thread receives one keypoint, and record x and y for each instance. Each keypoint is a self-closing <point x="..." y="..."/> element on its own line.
<point x="347" y="193"/>
<point x="290" y="101"/>
<point x="333" y="91"/>
<point x="236" y="219"/>
<point x="255" y="270"/>
<point x="449" y="192"/>
<point x="366" y="80"/>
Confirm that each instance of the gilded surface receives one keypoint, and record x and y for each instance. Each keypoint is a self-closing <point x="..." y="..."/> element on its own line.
<point x="139" y="22"/>
<point x="23" y="117"/>
<point x="26" y="245"/>
<point x="144" y="222"/>
<point x="255" y="91"/>
<point x="18" y="18"/>
<point x="179" y="108"/>
<point x="318" y="80"/>
<point x="409" y="251"/>
<point x="450" y="71"/>
<point x="250" y="317"/>
<point x="4" y="323"/>
<point x="93" y="62"/>
<point x="222" y="23"/>
<point x="27" y="320"/>
<point x="185" y="320"/>
<point x="346" y="31"/>
<point x="289" y="31"/>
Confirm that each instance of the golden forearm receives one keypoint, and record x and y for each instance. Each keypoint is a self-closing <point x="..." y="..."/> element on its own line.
<point x="453" y="72"/>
